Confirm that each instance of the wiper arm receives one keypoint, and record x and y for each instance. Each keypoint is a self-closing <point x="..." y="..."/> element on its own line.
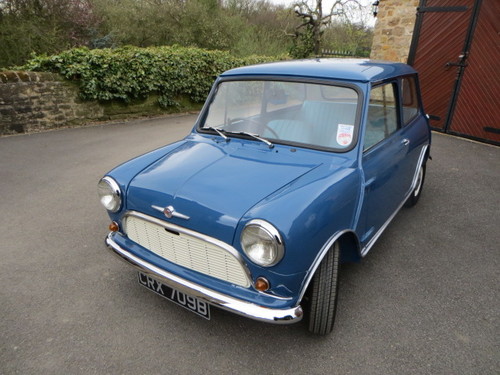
<point x="257" y="137"/>
<point x="223" y="133"/>
<point x="220" y="132"/>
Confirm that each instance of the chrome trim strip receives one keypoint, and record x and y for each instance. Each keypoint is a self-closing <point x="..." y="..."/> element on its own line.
<point x="370" y="243"/>
<point x="319" y="258"/>
<point x="237" y="306"/>
<point x="192" y="233"/>
<point x="374" y="239"/>
<point x="419" y="165"/>
<point x="170" y="212"/>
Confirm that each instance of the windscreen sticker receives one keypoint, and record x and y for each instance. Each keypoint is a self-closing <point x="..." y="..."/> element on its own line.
<point x="345" y="134"/>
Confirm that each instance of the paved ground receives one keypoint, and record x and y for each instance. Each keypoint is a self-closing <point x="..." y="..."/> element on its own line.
<point x="424" y="301"/>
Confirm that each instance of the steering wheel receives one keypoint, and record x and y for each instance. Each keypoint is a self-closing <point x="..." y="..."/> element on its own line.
<point x="258" y="123"/>
<point x="272" y="131"/>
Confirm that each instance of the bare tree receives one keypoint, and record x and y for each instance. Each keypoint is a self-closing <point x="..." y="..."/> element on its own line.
<point x="314" y="20"/>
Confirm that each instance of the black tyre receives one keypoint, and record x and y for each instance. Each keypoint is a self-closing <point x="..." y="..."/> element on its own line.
<point x="415" y="194"/>
<point x="323" y="293"/>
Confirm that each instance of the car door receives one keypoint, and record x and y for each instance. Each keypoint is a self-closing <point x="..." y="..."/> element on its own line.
<point x="414" y="131"/>
<point x="386" y="173"/>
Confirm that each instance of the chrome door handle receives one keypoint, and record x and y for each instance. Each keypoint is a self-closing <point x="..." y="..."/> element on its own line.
<point x="405" y="142"/>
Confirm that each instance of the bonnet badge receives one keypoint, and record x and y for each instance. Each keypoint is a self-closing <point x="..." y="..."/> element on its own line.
<point x="170" y="212"/>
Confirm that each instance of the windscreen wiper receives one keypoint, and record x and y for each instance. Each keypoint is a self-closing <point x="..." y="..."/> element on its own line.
<point x="220" y="132"/>
<point x="223" y="133"/>
<point x="257" y="137"/>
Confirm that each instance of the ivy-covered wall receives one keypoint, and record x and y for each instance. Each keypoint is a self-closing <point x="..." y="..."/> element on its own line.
<point x="82" y="85"/>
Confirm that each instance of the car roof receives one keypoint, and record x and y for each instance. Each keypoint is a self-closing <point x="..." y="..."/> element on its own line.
<point x="363" y="70"/>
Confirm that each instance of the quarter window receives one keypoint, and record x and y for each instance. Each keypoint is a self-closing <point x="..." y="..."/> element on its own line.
<point x="410" y="100"/>
<point x="382" y="118"/>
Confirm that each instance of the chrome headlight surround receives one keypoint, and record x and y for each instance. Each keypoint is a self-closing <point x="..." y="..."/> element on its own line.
<point x="262" y="243"/>
<point x="109" y="194"/>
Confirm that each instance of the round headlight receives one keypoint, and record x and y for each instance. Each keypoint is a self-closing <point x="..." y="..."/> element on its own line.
<point x="262" y="243"/>
<point x="109" y="194"/>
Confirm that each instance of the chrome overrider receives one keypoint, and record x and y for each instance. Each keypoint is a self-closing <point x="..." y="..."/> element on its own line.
<point x="237" y="306"/>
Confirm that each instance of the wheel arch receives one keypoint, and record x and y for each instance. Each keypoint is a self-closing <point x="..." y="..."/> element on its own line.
<point x="350" y="251"/>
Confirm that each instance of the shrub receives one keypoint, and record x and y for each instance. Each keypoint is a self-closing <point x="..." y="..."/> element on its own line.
<point x="131" y="72"/>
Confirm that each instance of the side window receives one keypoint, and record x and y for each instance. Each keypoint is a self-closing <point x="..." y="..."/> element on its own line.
<point x="410" y="100"/>
<point x="382" y="118"/>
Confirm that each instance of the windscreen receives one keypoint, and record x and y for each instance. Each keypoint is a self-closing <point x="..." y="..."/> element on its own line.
<point x="310" y="114"/>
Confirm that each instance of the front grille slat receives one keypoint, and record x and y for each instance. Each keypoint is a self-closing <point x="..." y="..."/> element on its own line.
<point x="187" y="251"/>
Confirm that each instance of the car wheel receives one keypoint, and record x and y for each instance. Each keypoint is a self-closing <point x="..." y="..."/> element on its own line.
<point x="415" y="194"/>
<point x="323" y="293"/>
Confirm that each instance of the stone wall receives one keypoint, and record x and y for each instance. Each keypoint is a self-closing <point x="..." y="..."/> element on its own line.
<point x="394" y="30"/>
<point x="31" y="102"/>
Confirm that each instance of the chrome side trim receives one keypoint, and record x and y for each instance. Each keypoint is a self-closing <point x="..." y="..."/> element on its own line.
<point x="319" y="258"/>
<point x="374" y="239"/>
<point x="419" y="165"/>
<point x="237" y="306"/>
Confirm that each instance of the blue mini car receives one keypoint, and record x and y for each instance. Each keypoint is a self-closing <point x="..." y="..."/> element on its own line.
<point x="291" y="169"/>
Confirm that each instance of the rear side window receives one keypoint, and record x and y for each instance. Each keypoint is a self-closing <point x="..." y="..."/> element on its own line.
<point x="382" y="118"/>
<point x="410" y="100"/>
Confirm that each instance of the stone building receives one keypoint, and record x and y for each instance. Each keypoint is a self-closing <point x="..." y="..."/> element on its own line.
<point x="394" y="30"/>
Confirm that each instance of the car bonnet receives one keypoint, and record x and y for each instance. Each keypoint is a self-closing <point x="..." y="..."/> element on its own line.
<point x="212" y="185"/>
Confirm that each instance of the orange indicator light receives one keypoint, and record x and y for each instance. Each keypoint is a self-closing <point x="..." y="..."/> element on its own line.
<point x="113" y="227"/>
<point x="261" y="284"/>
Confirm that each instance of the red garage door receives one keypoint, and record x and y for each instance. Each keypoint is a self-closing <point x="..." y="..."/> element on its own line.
<point x="456" y="49"/>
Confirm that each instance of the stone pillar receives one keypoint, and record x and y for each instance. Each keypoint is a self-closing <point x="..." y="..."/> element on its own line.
<point x="394" y="30"/>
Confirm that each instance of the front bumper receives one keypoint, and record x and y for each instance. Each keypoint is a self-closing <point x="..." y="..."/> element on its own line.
<point x="237" y="306"/>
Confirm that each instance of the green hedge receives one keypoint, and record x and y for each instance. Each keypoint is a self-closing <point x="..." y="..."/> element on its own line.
<point x="131" y="72"/>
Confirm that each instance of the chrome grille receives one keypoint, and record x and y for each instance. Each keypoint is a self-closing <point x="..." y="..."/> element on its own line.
<point x="187" y="250"/>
